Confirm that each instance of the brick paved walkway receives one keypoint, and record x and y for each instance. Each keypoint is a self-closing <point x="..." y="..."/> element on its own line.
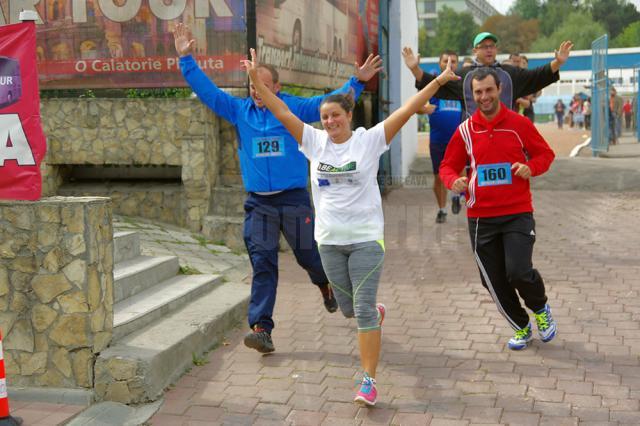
<point x="444" y="359"/>
<point x="42" y="413"/>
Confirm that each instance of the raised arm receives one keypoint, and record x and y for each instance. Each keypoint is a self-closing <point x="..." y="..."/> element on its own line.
<point x="217" y="100"/>
<point x="412" y="62"/>
<point x="399" y="117"/>
<point x="277" y="107"/>
<point x="308" y="109"/>
<point x="562" y="54"/>
<point x="452" y="90"/>
<point x="182" y="40"/>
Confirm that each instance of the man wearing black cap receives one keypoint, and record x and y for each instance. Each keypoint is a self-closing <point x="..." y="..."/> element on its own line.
<point x="515" y="82"/>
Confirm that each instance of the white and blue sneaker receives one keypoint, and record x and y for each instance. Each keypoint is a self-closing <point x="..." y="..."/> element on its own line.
<point x="521" y="339"/>
<point x="546" y="324"/>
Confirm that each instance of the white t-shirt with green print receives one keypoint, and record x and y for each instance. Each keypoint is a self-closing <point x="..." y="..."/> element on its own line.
<point x="344" y="184"/>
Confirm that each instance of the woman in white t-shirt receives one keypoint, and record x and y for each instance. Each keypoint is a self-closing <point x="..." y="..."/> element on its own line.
<point x="349" y="222"/>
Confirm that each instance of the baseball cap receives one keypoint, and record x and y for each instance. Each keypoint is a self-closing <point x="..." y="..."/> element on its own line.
<point x="483" y="36"/>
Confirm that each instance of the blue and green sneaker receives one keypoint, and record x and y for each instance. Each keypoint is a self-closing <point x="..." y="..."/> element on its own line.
<point x="521" y="338"/>
<point x="546" y="324"/>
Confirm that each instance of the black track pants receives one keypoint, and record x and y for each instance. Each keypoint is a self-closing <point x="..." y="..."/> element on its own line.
<point x="503" y="247"/>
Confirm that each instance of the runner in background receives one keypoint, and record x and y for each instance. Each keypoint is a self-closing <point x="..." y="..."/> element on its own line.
<point x="444" y="118"/>
<point x="516" y="82"/>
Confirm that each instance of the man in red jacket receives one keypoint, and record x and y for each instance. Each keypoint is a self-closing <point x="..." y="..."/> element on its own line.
<point x="504" y="150"/>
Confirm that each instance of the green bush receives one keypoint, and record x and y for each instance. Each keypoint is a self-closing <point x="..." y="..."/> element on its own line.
<point x="172" y="92"/>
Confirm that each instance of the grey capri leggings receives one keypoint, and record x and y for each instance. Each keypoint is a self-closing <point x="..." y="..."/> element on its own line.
<point x="354" y="273"/>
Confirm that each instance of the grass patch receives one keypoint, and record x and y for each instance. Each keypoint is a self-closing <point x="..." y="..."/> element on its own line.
<point x="189" y="270"/>
<point x="204" y="242"/>
<point x="130" y="221"/>
<point x="200" y="239"/>
<point x="199" y="361"/>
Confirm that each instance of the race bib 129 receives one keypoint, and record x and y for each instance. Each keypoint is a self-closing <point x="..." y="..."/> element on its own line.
<point x="494" y="174"/>
<point x="270" y="146"/>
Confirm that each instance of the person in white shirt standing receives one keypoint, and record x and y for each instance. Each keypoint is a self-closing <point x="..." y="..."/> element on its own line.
<point x="349" y="219"/>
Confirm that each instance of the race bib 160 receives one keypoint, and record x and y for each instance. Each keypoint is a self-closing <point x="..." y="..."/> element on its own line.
<point x="494" y="174"/>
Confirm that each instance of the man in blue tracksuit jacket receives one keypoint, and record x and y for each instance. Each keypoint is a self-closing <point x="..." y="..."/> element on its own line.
<point x="274" y="173"/>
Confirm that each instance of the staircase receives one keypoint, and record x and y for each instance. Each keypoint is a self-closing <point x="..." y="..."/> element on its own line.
<point x="162" y="320"/>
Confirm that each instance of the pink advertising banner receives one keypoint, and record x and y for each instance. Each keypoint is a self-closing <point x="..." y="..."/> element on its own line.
<point x="22" y="142"/>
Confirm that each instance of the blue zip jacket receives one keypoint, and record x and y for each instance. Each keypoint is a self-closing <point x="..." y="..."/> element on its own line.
<point x="269" y="155"/>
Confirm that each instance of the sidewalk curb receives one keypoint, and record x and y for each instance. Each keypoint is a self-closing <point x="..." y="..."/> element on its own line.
<point x="52" y="395"/>
<point x="576" y="149"/>
<point x="115" y="414"/>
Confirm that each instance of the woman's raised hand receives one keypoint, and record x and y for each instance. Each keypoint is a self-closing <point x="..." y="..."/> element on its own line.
<point x="251" y="65"/>
<point x="447" y="74"/>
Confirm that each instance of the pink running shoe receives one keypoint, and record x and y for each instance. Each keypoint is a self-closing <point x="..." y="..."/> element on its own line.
<point x="367" y="394"/>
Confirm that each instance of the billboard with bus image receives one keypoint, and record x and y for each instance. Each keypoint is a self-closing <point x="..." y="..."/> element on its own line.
<point x="10" y="83"/>
<point x="314" y="43"/>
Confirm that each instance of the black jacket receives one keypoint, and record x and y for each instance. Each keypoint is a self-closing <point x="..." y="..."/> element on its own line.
<point x="515" y="82"/>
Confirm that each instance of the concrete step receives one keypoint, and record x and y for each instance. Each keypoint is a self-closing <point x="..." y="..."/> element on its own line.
<point x="133" y="276"/>
<point x="228" y="200"/>
<point x="126" y="246"/>
<point x="421" y="165"/>
<point x="228" y="230"/>
<point x="420" y="173"/>
<point x="139" y="310"/>
<point x="140" y="366"/>
<point x="225" y="230"/>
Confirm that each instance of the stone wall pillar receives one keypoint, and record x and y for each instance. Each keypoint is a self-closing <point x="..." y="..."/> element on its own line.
<point x="56" y="289"/>
<point x="200" y="166"/>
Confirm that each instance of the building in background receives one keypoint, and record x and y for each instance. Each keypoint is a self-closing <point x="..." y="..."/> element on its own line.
<point x="428" y="11"/>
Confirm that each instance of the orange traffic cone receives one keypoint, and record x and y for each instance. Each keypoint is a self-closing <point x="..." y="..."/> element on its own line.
<point x="5" y="418"/>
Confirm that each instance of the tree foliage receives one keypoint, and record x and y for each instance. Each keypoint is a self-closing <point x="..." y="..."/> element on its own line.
<point x="423" y="42"/>
<point x="527" y="9"/>
<point x="455" y="31"/>
<point x="630" y="37"/>
<point x="541" y="25"/>
<point x="553" y="14"/>
<point x="615" y="15"/>
<point x="515" y="34"/>
<point x="578" y="27"/>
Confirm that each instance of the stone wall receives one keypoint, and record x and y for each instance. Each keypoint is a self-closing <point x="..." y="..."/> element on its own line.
<point x="56" y="289"/>
<point x="141" y="133"/>
<point x="147" y="134"/>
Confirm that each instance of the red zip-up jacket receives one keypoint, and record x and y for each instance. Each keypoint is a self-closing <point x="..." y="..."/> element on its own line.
<point x="508" y="138"/>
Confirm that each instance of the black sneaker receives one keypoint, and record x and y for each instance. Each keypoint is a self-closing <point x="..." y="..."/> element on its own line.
<point x="330" y="302"/>
<point x="455" y="204"/>
<point x="260" y="340"/>
<point x="441" y="217"/>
